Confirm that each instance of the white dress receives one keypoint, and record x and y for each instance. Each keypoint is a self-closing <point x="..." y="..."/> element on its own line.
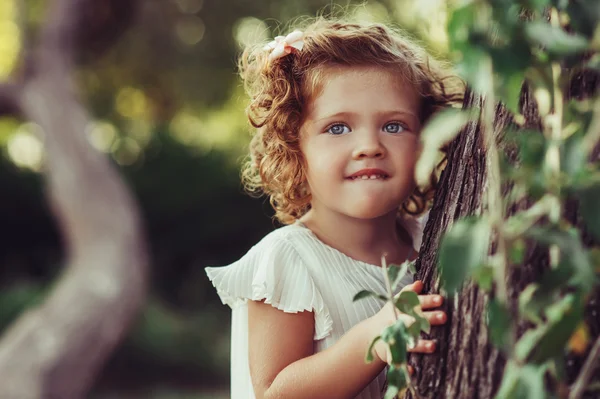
<point x="294" y="271"/>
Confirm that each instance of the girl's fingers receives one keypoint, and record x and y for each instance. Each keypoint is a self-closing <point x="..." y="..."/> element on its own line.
<point x="430" y="301"/>
<point x="423" y="346"/>
<point x="417" y="287"/>
<point x="411" y="370"/>
<point x="436" y="318"/>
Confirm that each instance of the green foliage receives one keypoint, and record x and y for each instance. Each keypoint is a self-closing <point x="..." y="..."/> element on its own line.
<point x="499" y="324"/>
<point x="522" y="382"/>
<point x="498" y="45"/>
<point x="589" y="201"/>
<point x="463" y="251"/>
<point x="441" y="129"/>
<point x="364" y="294"/>
<point x="398" y="336"/>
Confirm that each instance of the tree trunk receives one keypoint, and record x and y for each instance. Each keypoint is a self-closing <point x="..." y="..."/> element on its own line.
<point x="466" y="365"/>
<point x="55" y="349"/>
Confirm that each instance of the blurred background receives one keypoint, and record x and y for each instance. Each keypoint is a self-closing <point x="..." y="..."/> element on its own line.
<point x="168" y="111"/>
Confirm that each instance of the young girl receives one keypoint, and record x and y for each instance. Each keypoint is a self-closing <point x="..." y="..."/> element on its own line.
<point x="338" y="108"/>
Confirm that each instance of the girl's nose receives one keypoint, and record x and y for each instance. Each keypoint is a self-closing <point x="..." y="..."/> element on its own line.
<point x="369" y="146"/>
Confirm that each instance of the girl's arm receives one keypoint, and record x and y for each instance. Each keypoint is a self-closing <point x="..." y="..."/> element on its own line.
<point x="284" y="365"/>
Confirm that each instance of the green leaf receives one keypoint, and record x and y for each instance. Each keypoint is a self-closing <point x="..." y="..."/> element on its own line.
<point x="472" y="68"/>
<point x="414" y="330"/>
<point x="530" y="144"/>
<point x="531" y="380"/>
<point x="391" y="392"/>
<point x="397" y="272"/>
<point x="573" y="156"/>
<point x="573" y="255"/>
<point x="365" y="294"/>
<point x="517" y="251"/>
<point x="484" y="277"/>
<point x="396" y="378"/>
<point x="461" y="19"/>
<point x="510" y="382"/>
<point x="369" y="358"/>
<point x="536" y="297"/>
<point x="396" y="337"/>
<point x="549" y="340"/>
<point x="554" y="40"/>
<point x="509" y="90"/>
<point x="589" y="202"/>
<point x="527" y="308"/>
<point x="522" y="382"/>
<point x="463" y="249"/>
<point x="526" y="344"/>
<point x="500" y="324"/>
<point x="406" y="301"/>
<point x="440" y="130"/>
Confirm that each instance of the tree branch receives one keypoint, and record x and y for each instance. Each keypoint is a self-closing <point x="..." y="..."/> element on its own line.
<point x="56" y="349"/>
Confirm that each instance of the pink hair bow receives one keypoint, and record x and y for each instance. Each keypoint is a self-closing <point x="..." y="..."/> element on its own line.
<point x="284" y="45"/>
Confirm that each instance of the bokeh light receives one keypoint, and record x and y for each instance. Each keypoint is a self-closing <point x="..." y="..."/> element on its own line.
<point x="190" y="30"/>
<point x="24" y="147"/>
<point x="126" y="151"/>
<point x="250" y="30"/>
<point x="190" y="6"/>
<point x="10" y="38"/>
<point x="131" y="103"/>
<point x="101" y="135"/>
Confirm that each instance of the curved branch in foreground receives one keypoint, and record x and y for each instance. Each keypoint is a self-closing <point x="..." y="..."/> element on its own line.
<point x="55" y="350"/>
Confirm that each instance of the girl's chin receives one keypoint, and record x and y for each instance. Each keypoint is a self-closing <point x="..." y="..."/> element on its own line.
<point x="372" y="212"/>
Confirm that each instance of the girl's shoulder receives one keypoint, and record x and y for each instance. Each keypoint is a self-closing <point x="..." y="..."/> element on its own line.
<point x="273" y="270"/>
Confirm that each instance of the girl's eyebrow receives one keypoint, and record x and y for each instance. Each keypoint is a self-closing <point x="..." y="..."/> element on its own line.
<point x="388" y="114"/>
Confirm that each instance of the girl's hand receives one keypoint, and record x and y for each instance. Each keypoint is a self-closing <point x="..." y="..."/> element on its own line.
<point x="385" y="318"/>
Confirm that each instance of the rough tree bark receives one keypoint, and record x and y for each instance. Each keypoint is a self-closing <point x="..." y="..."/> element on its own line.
<point x="55" y="349"/>
<point x="466" y="365"/>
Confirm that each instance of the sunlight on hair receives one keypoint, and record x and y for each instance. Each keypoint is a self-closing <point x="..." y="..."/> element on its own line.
<point x="190" y="30"/>
<point x="25" y="149"/>
<point x="371" y="12"/>
<point x="101" y="135"/>
<point x="10" y="38"/>
<point x="250" y="30"/>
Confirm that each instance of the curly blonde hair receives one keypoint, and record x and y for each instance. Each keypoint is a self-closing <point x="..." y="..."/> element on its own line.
<point x="280" y="89"/>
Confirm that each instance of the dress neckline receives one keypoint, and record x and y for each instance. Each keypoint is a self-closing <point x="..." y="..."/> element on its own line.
<point x="337" y="251"/>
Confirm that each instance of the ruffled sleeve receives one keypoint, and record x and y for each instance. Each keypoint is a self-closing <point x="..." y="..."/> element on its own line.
<point x="272" y="270"/>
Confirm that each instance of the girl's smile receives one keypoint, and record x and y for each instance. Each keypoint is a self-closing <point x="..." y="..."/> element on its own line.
<point x="369" y="174"/>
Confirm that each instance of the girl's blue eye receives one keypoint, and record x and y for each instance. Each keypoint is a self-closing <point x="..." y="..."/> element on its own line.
<point x="394" y="127"/>
<point x="338" y="129"/>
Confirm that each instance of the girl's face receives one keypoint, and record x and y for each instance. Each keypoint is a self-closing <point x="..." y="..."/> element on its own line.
<point x="360" y="142"/>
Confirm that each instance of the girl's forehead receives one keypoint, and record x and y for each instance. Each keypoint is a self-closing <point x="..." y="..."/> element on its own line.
<point x="339" y="85"/>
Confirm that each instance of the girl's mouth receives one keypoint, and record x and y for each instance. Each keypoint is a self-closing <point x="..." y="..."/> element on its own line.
<point x="368" y="177"/>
